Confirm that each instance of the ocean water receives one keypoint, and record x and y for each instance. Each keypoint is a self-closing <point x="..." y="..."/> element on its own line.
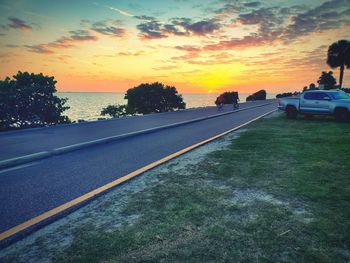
<point x="88" y="105"/>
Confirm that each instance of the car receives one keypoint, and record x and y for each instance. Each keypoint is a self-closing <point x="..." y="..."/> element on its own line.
<point x="317" y="102"/>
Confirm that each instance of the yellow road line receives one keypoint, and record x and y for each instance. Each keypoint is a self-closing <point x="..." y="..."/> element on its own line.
<point x="61" y="208"/>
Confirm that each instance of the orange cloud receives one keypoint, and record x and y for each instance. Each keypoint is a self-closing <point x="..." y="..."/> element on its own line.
<point x="17" y="23"/>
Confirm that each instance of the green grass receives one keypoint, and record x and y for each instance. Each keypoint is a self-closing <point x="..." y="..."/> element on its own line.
<point x="279" y="193"/>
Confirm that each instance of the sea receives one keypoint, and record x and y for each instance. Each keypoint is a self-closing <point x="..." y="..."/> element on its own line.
<point x="88" y="105"/>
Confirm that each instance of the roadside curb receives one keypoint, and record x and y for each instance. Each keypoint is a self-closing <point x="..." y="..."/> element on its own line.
<point x="24" y="159"/>
<point x="88" y="122"/>
<point x="66" y="149"/>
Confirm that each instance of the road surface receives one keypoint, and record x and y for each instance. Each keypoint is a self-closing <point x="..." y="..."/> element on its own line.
<point x="29" y="190"/>
<point x="24" y="142"/>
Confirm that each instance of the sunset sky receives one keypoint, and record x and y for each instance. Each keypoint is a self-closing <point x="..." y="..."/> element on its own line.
<point x="199" y="46"/>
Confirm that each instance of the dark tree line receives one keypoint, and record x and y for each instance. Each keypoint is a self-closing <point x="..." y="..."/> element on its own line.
<point x="287" y="94"/>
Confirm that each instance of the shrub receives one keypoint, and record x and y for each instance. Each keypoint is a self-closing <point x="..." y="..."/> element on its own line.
<point x="154" y="97"/>
<point x="259" y="95"/>
<point x="28" y="100"/>
<point x="115" y="111"/>
<point x="147" y="98"/>
<point x="327" y="80"/>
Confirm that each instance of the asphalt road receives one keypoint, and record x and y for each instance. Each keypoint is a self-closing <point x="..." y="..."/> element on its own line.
<point x="29" y="190"/>
<point x="24" y="142"/>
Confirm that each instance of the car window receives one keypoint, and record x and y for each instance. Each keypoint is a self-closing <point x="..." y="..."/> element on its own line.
<point x="322" y="96"/>
<point x="310" y="96"/>
<point x="339" y="95"/>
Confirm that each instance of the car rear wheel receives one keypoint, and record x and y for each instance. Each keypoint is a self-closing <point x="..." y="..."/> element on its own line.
<point x="291" y="112"/>
<point x="342" y="115"/>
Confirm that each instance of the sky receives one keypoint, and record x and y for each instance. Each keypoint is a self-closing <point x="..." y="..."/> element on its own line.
<point x="198" y="46"/>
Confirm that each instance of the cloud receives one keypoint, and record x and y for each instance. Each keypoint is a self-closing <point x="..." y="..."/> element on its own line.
<point x="210" y="62"/>
<point x="270" y="24"/>
<point x="188" y="48"/>
<point x="151" y="28"/>
<point x="70" y="41"/>
<point x="170" y="67"/>
<point x="287" y="24"/>
<point x="307" y="60"/>
<point x="252" y="4"/>
<point x="171" y="29"/>
<point x="80" y="35"/>
<point x="145" y="18"/>
<point x="124" y="13"/>
<point x="200" y="28"/>
<point x="110" y="31"/>
<point x="247" y="41"/>
<point x="131" y="54"/>
<point x="260" y="16"/>
<point x="105" y="27"/>
<point x="17" y="23"/>
<point x="189" y="55"/>
<point x="41" y="49"/>
<point x="191" y="52"/>
<point x="329" y="15"/>
<point x="284" y="24"/>
<point x="11" y="46"/>
<point x="231" y="8"/>
<point x="63" y="42"/>
<point x="215" y="59"/>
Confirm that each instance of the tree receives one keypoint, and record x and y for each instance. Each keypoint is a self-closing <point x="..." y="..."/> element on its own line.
<point x="312" y="86"/>
<point x="116" y="111"/>
<point x="28" y="100"/>
<point x="327" y="80"/>
<point x="155" y="97"/>
<point x="259" y="95"/>
<point x="338" y="55"/>
<point x="147" y="98"/>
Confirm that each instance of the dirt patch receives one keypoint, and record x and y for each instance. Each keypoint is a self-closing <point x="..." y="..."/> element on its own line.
<point x="250" y="197"/>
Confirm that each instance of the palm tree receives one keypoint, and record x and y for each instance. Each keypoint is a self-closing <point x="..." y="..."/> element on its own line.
<point x="339" y="56"/>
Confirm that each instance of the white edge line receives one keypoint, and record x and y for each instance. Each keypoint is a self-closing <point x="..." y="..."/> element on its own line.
<point x="18" y="167"/>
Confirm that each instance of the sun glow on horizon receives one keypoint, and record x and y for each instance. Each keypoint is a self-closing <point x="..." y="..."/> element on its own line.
<point x="207" y="49"/>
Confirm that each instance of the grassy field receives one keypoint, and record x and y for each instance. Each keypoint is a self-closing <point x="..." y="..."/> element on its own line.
<point x="280" y="192"/>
